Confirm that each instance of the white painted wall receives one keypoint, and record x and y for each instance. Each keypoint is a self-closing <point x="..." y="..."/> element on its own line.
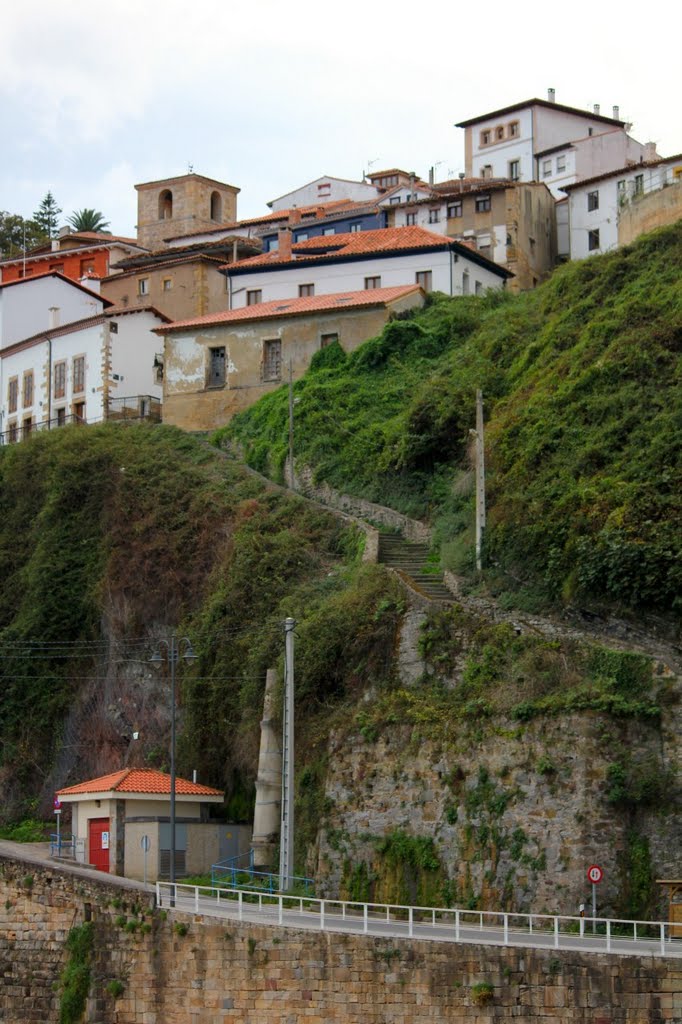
<point x="605" y="217"/>
<point x="132" y="355"/>
<point x="325" y="190"/>
<point x="329" y="278"/>
<point x="24" y="307"/>
<point x="500" y="154"/>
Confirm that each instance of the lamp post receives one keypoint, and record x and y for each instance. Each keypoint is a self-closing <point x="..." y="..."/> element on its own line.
<point x="176" y="647"/>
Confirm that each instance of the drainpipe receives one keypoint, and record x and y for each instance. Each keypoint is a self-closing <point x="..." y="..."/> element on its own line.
<point x="54" y="322"/>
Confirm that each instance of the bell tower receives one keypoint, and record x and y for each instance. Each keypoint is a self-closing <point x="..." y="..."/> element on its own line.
<point x="184" y="205"/>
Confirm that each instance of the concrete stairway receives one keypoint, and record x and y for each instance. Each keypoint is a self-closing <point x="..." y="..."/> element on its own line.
<point x="411" y="560"/>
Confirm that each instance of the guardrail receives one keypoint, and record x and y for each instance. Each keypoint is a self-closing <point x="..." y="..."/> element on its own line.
<point x="442" y="924"/>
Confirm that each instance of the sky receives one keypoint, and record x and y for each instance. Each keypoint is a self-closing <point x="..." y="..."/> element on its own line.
<point x="269" y="95"/>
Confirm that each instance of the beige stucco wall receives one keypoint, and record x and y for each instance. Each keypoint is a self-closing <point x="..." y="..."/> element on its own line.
<point x="654" y="210"/>
<point x="191" y="208"/>
<point x="197" y="287"/>
<point x="190" y="404"/>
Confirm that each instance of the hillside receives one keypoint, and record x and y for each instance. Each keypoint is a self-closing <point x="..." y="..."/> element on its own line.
<point x="584" y="413"/>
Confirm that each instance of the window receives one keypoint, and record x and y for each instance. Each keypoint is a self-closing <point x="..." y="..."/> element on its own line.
<point x="167" y="284"/>
<point x="113" y="327"/>
<point x="483" y="244"/>
<point x="514" y="169"/>
<point x="59" y="380"/>
<point x="355" y="226"/>
<point x="305" y="290"/>
<point x="465" y="283"/>
<point x="639" y="184"/>
<point x="272" y="244"/>
<point x="485" y="138"/>
<point x="513" y="129"/>
<point x="329" y="231"/>
<point x="424" y="279"/>
<point x="272" y="360"/>
<point x="61" y="416"/>
<point x="593" y="240"/>
<point x="143" y="286"/>
<point x="254" y="296"/>
<point x="560" y="164"/>
<point x="56" y="268"/>
<point x="592" y="201"/>
<point x="165" y="204"/>
<point x="302" y="236"/>
<point x="328" y="339"/>
<point x="27" y="391"/>
<point x="26" y="426"/>
<point x="410" y="218"/>
<point x="79" y="412"/>
<point x="13" y="394"/>
<point x="216" y="206"/>
<point x="87" y="267"/>
<point x="546" y="168"/>
<point x="372" y="282"/>
<point x="216" y="367"/>
<point x="499" y="133"/>
<point x="487" y="171"/>
<point x="13" y="432"/>
<point x="324" y="189"/>
<point x="482" y="204"/>
<point x="394" y="201"/>
<point x="78" y="374"/>
<point x="455" y="209"/>
<point x="434" y="216"/>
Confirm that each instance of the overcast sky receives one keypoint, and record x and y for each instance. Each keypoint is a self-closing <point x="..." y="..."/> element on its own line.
<point x="268" y="95"/>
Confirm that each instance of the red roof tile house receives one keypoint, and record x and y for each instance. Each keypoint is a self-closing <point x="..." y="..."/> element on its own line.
<point x="112" y="815"/>
<point x="76" y="255"/>
<point x="219" y="364"/>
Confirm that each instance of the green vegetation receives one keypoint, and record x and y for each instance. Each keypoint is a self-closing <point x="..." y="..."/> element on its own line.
<point x="482" y="993"/>
<point x="76" y="976"/>
<point x="115" y="988"/>
<point x="584" y="408"/>
<point x="27" y="831"/>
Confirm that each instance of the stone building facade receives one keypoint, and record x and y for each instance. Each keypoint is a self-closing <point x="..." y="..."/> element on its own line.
<point x="178" y="206"/>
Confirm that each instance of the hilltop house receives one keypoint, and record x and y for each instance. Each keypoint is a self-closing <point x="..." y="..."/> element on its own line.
<point x="217" y="365"/>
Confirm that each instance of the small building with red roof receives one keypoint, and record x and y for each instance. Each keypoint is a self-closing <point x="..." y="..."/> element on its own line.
<point x="115" y="816"/>
<point x="75" y="254"/>
<point x="220" y="364"/>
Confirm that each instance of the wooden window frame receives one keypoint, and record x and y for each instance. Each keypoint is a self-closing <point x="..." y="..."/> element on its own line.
<point x="277" y="375"/>
<point x="59" y="387"/>
<point x="78" y="379"/>
<point x="251" y="292"/>
<point x="13" y="394"/>
<point x="27" y="390"/>
<point x="372" y="282"/>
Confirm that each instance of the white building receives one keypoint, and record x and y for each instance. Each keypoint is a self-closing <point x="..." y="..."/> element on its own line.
<point x="384" y="258"/>
<point x="541" y="140"/>
<point x="91" y="369"/>
<point x="594" y="204"/>
<point x="325" y="190"/>
<point x="25" y="304"/>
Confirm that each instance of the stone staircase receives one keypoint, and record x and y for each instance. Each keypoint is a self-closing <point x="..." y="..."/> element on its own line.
<point x="411" y="561"/>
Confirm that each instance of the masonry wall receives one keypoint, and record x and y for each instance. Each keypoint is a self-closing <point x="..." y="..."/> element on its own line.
<point x="647" y="212"/>
<point x="181" y="291"/>
<point x="222" y="971"/>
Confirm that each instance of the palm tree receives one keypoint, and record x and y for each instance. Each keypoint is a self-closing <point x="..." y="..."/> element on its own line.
<point x="89" y="220"/>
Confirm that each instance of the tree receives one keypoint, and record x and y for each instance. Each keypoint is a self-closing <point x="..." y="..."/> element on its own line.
<point x="15" y="232"/>
<point x="46" y="216"/>
<point x="88" y="220"/>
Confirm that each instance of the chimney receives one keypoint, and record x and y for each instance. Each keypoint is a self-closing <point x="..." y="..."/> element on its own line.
<point x="596" y="108"/>
<point x="55" y="245"/>
<point x="650" y="152"/>
<point x="616" y="113"/>
<point x="284" y="244"/>
<point x="294" y="216"/>
<point x="54" y="317"/>
<point x="432" y="175"/>
<point x="551" y="95"/>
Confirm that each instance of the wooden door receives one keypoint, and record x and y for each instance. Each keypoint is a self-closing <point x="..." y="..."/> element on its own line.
<point x="98" y="835"/>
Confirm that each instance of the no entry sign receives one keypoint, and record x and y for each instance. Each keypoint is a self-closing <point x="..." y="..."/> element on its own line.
<point x="595" y="873"/>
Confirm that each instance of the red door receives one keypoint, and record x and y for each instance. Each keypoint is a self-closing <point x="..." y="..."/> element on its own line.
<point x="98" y="834"/>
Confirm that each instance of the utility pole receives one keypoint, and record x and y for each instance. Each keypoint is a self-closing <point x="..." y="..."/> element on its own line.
<point x="292" y="476"/>
<point x="286" y="848"/>
<point x="480" y="480"/>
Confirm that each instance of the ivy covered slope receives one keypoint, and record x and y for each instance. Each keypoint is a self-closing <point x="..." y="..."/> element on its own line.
<point x="110" y="537"/>
<point x="581" y="380"/>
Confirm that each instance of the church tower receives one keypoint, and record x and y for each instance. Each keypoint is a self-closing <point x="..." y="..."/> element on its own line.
<point x="184" y="205"/>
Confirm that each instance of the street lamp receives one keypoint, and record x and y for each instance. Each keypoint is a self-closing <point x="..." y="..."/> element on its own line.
<point x="175" y="648"/>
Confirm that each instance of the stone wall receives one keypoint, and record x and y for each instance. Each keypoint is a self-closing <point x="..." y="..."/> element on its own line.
<point x="179" y="969"/>
<point x="654" y="210"/>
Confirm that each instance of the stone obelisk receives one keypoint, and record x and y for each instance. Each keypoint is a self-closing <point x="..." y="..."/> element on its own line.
<point x="266" y="817"/>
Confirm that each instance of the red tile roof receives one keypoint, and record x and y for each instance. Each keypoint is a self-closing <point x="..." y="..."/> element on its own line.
<point x="138" y="780"/>
<point x="296" y="307"/>
<point x="352" y="243"/>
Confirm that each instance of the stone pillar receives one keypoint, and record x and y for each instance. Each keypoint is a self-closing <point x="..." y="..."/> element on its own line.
<point x="266" y="818"/>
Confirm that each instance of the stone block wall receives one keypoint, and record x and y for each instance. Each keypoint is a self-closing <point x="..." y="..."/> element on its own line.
<point x="183" y="969"/>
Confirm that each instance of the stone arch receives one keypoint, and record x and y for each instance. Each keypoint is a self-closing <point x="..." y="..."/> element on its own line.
<point x="216" y="206"/>
<point x="165" y="204"/>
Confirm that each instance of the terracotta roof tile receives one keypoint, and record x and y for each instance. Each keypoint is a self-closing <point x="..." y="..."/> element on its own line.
<point x="296" y="307"/>
<point x="138" y="780"/>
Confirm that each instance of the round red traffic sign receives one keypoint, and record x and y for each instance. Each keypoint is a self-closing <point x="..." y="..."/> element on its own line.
<point x="595" y="873"/>
<point x="57" y="804"/>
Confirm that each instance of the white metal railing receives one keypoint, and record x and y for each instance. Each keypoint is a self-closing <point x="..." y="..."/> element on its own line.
<point x="443" y="924"/>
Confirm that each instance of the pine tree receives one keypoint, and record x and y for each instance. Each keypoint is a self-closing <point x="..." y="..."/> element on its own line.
<point x="46" y="216"/>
